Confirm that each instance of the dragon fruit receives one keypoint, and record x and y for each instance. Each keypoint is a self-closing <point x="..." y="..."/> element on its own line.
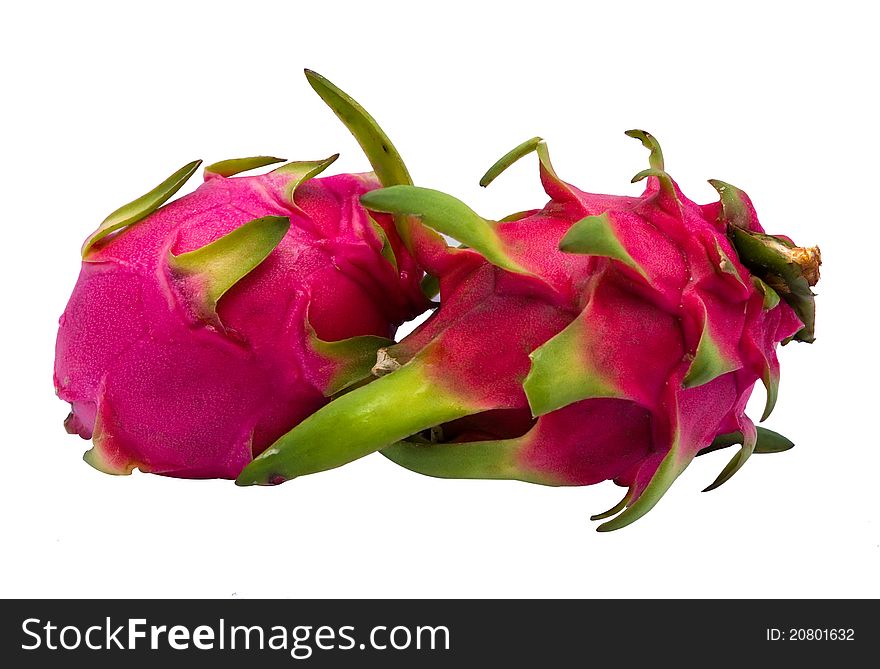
<point x="201" y="331"/>
<point x="598" y="338"/>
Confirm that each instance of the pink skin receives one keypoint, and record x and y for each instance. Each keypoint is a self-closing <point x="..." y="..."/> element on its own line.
<point x="161" y="389"/>
<point x="612" y="436"/>
<point x="643" y="335"/>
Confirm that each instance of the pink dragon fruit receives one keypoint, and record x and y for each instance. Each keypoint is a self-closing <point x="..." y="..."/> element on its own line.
<point x="599" y="338"/>
<point x="201" y="331"/>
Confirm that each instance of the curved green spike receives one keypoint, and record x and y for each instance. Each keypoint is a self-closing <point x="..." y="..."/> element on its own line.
<point x="547" y="171"/>
<point x="358" y="423"/>
<point x="221" y="264"/>
<point x="595" y="235"/>
<point x="302" y="171"/>
<point x="771" y="297"/>
<point x="445" y="214"/>
<point x="750" y="438"/>
<point x="733" y="208"/>
<point x="709" y="362"/>
<point x="496" y="459"/>
<point x="650" y="172"/>
<point x="233" y="166"/>
<point x="617" y="508"/>
<point x="510" y="158"/>
<point x="383" y="156"/>
<point x="387" y="250"/>
<point x="669" y="470"/>
<point x="655" y="160"/>
<point x="665" y="180"/>
<point x="353" y="358"/>
<point x="768" y="441"/>
<point x="770" y="379"/>
<point x="562" y="372"/>
<point x="142" y="207"/>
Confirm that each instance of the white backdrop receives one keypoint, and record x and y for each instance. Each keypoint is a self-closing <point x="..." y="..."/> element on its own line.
<point x="101" y="101"/>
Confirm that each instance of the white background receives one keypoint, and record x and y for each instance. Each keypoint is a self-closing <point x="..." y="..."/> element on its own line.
<point x="100" y="102"/>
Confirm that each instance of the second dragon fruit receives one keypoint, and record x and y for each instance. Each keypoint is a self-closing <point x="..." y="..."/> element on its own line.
<point x="601" y="337"/>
